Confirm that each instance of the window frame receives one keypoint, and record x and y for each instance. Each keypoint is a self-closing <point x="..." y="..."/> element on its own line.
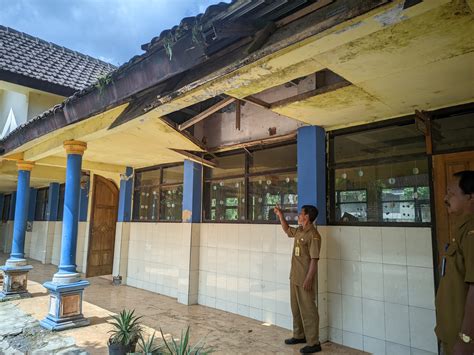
<point x="246" y="177"/>
<point x="159" y="186"/>
<point x="61" y="197"/>
<point x="6" y="211"/>
<point x="332" y="166"/>
<point x="45" y="205"/>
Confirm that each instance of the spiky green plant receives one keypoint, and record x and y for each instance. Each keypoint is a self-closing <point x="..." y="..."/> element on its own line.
<point x="127" y="328"/>
<point x="148" y="347"/>
<point x="183" y="347"/>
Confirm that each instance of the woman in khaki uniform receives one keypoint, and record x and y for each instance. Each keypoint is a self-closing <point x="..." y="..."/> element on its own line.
<point x="455" y="296"/>
<point x="303" y="274"/>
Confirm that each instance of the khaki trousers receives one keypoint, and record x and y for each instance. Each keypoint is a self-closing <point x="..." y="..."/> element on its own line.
<point x="305" y="314"/>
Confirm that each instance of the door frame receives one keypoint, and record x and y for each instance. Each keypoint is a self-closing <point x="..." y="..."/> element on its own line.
<point x="91" y="222"/>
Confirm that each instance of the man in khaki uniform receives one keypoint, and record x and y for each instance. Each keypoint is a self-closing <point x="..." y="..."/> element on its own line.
<point x="304" y="259"/>
<point x="455" y="296"/>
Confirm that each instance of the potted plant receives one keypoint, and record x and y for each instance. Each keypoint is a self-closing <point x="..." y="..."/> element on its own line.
<point x="125" y="334"/>
<point x="148" y="347"/>
<point x="183" y="347"/>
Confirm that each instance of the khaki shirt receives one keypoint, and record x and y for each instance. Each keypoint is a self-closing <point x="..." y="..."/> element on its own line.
<point x="308" y="241"/>
<point x="454" y="285"/>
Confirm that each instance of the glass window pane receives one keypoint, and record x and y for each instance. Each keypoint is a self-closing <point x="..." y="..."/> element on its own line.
<point x="283" y="157"/>
<point x="146" y="204"/>
<point x="226" y="200"/>
<point x="41" y="204"/>
<point x="171" y="203"/>
<point x="230" y="165"/>
<point x="173" y="174"/>
<point x="379" y="143"/>
<point x="266" y="191"/>
<point x="147" y="178"/>
<point x="395" y="192"/>
<point x="62" y="189"/>
<point x="6" y="207"/>
<point x="454" y="132"/>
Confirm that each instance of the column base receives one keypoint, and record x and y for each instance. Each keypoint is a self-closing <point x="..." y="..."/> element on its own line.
<point x="65" y="306"/>
<point x="15" y="281"/>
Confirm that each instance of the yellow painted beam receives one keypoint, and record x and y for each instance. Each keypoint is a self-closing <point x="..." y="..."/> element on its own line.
<point x="87" y="130"/>
<point x="86" y="165"/>
<point x="47" y="173"/>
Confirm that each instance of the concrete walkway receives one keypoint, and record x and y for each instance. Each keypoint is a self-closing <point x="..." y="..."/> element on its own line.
<point x="226" y="333"/>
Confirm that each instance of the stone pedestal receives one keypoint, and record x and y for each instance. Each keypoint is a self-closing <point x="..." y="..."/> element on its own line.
<point x="65" y="306"/>
<point x="15" y="280"/>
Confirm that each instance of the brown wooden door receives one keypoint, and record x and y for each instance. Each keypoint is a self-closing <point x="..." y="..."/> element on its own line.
<point x="102" y="229"/>
<point x="444" y="166"/>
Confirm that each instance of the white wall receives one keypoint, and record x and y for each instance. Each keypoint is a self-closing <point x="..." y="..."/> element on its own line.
<point x="156" y="252"/>
<point x="6" y="232"/>
<point x="39" y="241"/>
<point x="381" y="289"/>
<point x="244" y="269"/>
<point x="82" y="245"/>
<point x="13" y="100"/>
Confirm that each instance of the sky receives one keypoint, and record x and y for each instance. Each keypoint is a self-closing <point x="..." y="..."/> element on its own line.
<point x="111" y="30"/>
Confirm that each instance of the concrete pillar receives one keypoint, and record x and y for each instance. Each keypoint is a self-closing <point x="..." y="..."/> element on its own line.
<point x="311" y="155"/>
<point x="15" y="269"/>
<point x="66" y="288"/>
<point x="188" y="281"/>
<point x="122" y="231"/>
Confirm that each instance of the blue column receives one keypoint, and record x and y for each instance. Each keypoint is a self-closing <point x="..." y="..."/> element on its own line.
<point x="2" y="202"/>
<point x="311" y="157"/>
<point x="84" y="201"/>
<point x="53" y="201"/>
<point x="66" y="282"/>
<point x="71" y="214"/>
<point x="21" y="211"/>
<point x="15" y="270"/>
<point x="192" y="192"/>
<point x="32" y="203"/>
<point x="125" y="198"/>
<point x="11" y="212"/>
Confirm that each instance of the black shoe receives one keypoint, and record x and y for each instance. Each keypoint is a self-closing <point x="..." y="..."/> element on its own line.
<point x="293" y="341"/>
<point x="309" y="349"/>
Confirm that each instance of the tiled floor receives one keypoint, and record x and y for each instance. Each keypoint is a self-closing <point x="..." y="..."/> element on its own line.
<point x="227" y="333"/>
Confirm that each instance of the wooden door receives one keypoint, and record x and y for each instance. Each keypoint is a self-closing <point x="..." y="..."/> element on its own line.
<point x="444" y="166"/>
<point x="102" y="229"/>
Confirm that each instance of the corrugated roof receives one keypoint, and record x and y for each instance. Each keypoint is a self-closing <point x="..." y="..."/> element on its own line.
<point x="33" y="57"/>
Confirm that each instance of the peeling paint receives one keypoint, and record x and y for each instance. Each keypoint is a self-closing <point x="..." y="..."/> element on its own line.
<point x="392" y="16"/>
<point x="187" y="215"/>
<point x="348" y="28"/>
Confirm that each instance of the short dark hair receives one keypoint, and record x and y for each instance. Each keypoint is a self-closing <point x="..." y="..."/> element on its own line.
<point x="312" y="211"/>
<point x="466" y="181"/>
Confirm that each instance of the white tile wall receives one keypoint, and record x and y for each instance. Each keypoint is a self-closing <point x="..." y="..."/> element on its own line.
<point x="381" y="293"/>
<point x="244" y="269"/>
<point x="41" y="240"/>
<point x="155" y="253"/>
<point x="6" y="230"/>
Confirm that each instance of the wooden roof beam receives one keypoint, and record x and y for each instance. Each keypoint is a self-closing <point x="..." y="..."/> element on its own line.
<point x="206" y="113"/>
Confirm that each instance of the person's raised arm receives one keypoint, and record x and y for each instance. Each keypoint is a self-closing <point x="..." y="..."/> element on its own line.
<point x="281" y="217"/>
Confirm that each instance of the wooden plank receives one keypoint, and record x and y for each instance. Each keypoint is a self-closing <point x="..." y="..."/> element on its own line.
<point x="423" y="123"/>
<point x="261" y="37"/>
<point x="263" y="141"/>
<point x="206" y="113"/>
<point x="303" y="12"/>
<point x="255" y="101"/>
<point x="237" y="115"/>
<point x="195" y="158"/>
<point x="308" y="94"/>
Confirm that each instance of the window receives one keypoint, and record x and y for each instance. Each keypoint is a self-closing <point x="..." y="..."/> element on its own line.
<point x="6" y="207"/>
<point x="158" y="194"/>
<point x="247" y="185"/>
<point x="62" y="189"/>
<point x="41" y="204"/>
<point x="379" y="175"/>
<point x="454" y="132"/>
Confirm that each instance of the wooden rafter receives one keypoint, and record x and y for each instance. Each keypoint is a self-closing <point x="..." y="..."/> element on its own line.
<point x="255" y="101"/>
<point x="195" y="158"/>
<point x="206" y="113"/>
